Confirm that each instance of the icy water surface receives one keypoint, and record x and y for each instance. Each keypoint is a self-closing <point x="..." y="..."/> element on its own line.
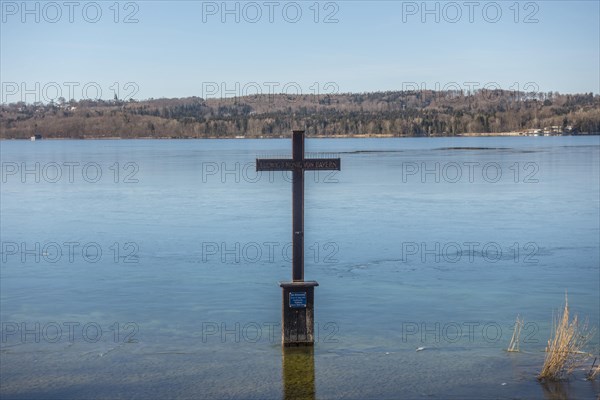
<point x="149" y="269"/>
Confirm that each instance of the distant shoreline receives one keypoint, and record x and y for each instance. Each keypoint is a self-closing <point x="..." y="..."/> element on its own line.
<point x="366" y="136"/>
<point x="366" y="115"/>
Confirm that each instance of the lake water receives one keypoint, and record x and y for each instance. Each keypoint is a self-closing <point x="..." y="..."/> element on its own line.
<point x="149" y="269"/>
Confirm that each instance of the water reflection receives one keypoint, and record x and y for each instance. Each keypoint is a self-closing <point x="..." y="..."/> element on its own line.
<point x="556" y="390"/>
<point x="298" y="373"/>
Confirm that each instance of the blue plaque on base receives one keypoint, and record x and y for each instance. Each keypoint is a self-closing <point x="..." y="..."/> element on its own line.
<point x="298" y="299"/>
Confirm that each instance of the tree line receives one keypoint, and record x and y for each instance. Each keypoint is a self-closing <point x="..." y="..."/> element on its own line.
<point x="393" y="113"/>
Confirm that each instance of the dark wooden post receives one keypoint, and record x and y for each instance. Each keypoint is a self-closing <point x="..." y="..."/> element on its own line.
<point x="298" y="209"/>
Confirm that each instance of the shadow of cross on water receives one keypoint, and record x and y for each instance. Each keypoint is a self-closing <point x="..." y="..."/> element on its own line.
<point x="298" y="372"/>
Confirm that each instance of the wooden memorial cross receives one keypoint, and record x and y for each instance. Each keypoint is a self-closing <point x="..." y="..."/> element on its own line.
<point x="298" y="164"/>
<point x="298" y="313"/>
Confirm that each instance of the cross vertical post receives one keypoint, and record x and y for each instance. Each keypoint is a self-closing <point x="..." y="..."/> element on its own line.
<point x="298" y="209"/>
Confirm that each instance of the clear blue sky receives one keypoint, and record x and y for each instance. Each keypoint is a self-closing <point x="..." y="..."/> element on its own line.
<point x="178" y="49"/>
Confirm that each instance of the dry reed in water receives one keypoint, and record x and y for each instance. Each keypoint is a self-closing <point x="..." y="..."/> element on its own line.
<point x="564" y="350"/>
<point x="594" y="371"/>
<point x="513" y="346"/>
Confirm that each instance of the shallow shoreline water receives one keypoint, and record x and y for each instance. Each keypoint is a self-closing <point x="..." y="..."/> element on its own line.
<point x="182" y="299"/>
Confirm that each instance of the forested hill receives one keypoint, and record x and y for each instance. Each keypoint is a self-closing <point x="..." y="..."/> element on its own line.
<point x="409" y="113"/>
